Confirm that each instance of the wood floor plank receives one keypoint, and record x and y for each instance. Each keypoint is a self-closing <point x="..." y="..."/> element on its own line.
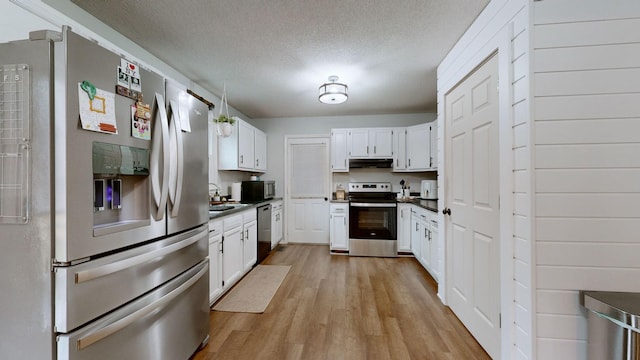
<point x="341" y="307"/>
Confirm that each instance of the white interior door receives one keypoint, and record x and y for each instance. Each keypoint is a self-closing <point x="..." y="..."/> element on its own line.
<point x="307" y="189"/>
<point x="472" y="195"/>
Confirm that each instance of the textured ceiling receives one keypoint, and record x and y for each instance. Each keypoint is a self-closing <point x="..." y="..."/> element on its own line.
<point x="273" y="54"/>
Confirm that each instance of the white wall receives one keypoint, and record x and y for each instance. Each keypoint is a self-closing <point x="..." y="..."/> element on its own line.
<point x="277" y="128"/>
<point x="18" y="22"/>
<point x="503" y="27"/>
<point x="587" y="142"/>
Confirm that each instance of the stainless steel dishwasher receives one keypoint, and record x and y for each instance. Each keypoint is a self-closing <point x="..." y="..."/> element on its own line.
<point x="264" y="231"/>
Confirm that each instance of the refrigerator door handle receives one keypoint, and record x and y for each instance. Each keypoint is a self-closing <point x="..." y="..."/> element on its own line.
<point x="122" y="323"/>
<point x="159" y="153"/>
<point x="108" y="269"/>
<point x="176" y="159"/>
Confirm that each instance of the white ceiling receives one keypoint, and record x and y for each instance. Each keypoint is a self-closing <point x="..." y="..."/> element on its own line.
<point x="273" y="54"/>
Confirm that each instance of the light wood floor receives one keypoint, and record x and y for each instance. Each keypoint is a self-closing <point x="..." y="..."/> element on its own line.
<point x="340" y="307"/>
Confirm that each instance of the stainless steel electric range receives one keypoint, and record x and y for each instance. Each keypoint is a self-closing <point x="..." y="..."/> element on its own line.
<point x="372" y="220"/>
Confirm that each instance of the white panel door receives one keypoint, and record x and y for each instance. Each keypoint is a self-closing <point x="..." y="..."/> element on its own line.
<point x="473" y="286"/>
<point x="307" y="189"/>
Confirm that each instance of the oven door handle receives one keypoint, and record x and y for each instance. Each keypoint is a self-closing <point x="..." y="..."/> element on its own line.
<point x="378" y="205"/>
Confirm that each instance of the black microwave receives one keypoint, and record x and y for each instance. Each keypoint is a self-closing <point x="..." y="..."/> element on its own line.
<point x="254" y="191"/>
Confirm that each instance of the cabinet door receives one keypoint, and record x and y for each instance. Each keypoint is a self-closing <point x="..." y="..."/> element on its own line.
<point x="381" y="143"/>
<point x="260" y="150"/>
<point x="404" y="228"/>
<point x="434" y="262"/>
<point x="399" y="149"/>
<point x="232" y="249"/>
<point x="425" y="249"/>
<point x="215" y="267"/>
<point x="358" y="143"/>
<point x="418" y="147"/>
<point x="416" y="235"/>
<point x="339" y="151"/>
<point x="250" y="244"/>
<point x="228" y="155"/>
<point x="276" y="228"/>
<point x="433" y="153"/>
<point x="339" y="227"/>
<point x="246" y="146"/>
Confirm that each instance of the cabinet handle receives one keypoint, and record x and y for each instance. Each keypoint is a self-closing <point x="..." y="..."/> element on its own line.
<point x="409" y="162"/>
<point x="426" y="235"/>
<point x="222" y="245"/>
<point x="367" y="149"/>
<point x="247" y="234"/>
<point x="257" y="162"/>
<point x="241" y="159"/>
<point x="374" y="149"/>
<point x="446" y="211"/>
<point x="430" y="161"/>
<point x="345" y="162"/>
<point x="416" y="226"/>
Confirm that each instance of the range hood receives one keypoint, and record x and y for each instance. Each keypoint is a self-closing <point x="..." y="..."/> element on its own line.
<point x="370" y="163"/>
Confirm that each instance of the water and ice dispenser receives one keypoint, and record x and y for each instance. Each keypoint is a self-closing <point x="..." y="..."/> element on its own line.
<point x="120" y="183"/>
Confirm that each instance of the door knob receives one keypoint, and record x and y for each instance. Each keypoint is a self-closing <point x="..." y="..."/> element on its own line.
<point x="446" y="211"/>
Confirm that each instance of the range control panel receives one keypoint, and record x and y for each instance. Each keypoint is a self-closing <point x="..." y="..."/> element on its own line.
<point x="370" y="187"/>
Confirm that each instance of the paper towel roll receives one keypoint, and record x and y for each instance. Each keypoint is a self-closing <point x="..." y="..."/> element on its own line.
<point x="235" y="191"/>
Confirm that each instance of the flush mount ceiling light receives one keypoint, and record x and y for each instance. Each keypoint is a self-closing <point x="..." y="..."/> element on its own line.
<point x="333" y="92"/>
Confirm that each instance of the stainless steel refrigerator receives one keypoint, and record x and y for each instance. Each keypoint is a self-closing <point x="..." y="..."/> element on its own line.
<point x="103" y="206"/>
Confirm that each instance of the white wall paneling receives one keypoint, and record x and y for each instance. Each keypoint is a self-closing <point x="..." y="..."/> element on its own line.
<point x="624" y="230"/>
<point x="617" y="180"/>
<point x="588" y="131"/>
<point x="587" y="182"/>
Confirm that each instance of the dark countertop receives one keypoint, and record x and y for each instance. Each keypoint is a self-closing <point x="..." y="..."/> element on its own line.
<point x="431" y="205"/>
<point x="237" y="209"/>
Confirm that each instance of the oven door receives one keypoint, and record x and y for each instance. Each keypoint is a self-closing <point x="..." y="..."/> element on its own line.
<point x="372" y="220"/>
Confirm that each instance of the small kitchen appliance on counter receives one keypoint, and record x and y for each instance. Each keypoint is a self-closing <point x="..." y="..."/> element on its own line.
<point x="256" y="191"/>
<point x="429" y="189"/>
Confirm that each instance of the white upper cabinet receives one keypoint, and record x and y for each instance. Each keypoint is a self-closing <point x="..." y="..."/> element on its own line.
<point x="246" y="146"/>
<point x="370" y="143"/>
<point x="418" y="147"/>
<point x="433" y="129"/>
<point x="245" y="149"/>
<point x="382" y="141"/>
<point x="339" y="153"/>
<point x="400" y="149"/>
<point x="260" y="150"/>
<point x="421" y="147"/>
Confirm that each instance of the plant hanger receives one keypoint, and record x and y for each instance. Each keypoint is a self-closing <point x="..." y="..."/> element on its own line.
<point x="224" y="121"/>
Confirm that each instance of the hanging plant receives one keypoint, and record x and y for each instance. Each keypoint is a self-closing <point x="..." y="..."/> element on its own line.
<point x="224" y="121"/>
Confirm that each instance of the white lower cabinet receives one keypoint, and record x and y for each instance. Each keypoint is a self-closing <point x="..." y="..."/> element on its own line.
<point x="435" y="249"/>
<point x="277" y="229"/>
<point x="249" y="239"/>
<point x="233" y="250"/>
<point x="424" y="241"/>
<point x="339" y="227"/>
<point x="215" y="260"/>
<point x="404" y="228"/>
<point x="416" y="233"/>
